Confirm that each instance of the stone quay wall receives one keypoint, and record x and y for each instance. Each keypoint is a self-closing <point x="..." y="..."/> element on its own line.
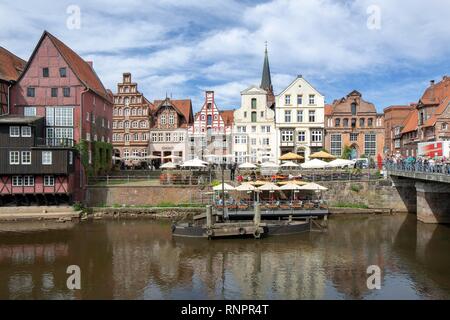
<point x="378" y="194"/>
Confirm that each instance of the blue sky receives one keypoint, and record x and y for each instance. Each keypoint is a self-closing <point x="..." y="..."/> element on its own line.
<point x="186" y="47"/>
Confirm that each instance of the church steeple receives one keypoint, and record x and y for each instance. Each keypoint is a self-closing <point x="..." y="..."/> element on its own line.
<point x="266" y="80"/>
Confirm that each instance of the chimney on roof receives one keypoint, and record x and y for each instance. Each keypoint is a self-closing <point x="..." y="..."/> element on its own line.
<point x="91" y="64"/>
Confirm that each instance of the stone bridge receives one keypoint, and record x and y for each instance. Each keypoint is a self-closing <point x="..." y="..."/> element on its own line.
<point x="424" y="192"/>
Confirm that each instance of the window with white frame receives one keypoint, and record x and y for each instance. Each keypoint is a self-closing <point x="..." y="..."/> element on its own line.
<point x="240" y="157"/>
<point x="370" y="144"/>
<point x="26" y="131"/>
<point x="14" y="157"/>
<point x="241" y="129"/>
<point x="266" y="141"/>
<point x="299" y="99"/>
<point x="336" y="145"/>
<point x="144" y="153"/>
<point x="163" y="119"/>
<point x="299" y="115"/>
<point x="160" y="137"/>
<point x="312" y="116"/>
<point x="287" y="116"/>
<point x="240" y="139"/>
<point x="253" y="142"/>
<point x="28" y="181"/>
<point x="136" y="153"/>
<point x="49" y="181"/>
<point x="316" y="135"/>
<point x="135" y="124"/>
<point x="353" y="137"/>
<point x="168" y="137"/>
<point x="88" y="136"/>
<point x="287" y="99"/>
<point x="29" y="111"/>
<point x="26" y="157"/>
<point x="126" y="153"/>
<point x="301" y="136"/>
<point x="287" y="136"/>
<point x="265" y="129"/>
<point x="114" y="125"/>
<point x="172" y="119"/>
<point x="154" y="137"/>
<point x="14" y="132"/>
<point x="17" y="181"/>
<point x="312" y="99"/>
<point x="47" y="157"/>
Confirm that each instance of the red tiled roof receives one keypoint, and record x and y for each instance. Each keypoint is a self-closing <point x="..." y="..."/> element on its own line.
<point x="328" y="110"/>
<point x="81" y="68"/>
<point x="227" y="116"/>
<point x="183" y="106"/>
<point x="11" y="66"/>
<point x="435" y="93"/>
<point x="411" y="121"/>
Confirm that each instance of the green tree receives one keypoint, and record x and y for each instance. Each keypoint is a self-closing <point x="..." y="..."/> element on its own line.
<point x="347" y="152"/>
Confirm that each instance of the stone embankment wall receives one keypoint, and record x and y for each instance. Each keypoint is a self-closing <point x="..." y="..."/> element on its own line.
<point x="374" y="194"/>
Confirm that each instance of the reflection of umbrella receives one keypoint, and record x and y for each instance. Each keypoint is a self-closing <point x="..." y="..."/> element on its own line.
<point x="291" y="157"/>
<point x="116" y="158"/>
<point x="313" y="187"/>
<point x="289" y="164"/>
<point x="322" y="155"/>
<point x="247" y="165"/>
<point x="168" y="165"/>
<point x="314" y="164"/>
<point x="226" y="187"/>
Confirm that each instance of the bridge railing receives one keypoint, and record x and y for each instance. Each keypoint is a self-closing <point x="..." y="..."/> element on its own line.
<point x="430" y="168"/>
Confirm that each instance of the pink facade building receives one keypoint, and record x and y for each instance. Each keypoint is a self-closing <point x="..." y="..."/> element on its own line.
<point x="210" y="135"/>
<point x="59" y="86"/>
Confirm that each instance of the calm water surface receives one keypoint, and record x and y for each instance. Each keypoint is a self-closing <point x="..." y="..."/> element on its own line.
<point x="140" y="260"/>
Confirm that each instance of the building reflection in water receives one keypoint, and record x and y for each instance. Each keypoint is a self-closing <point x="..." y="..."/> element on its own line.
<point x="140" y="260"/>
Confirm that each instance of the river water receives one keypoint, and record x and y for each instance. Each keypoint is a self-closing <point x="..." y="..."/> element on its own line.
<point x="139" y="259"/>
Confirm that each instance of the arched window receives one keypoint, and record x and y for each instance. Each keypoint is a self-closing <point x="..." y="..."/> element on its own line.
<point x="362" y="122"/>
<point x="121" y="125"/>
<point x="135" y="124"/>
<point x="127" y="124"/>
<point x="140" y="112"/>
<point x="445" y="126"/>
<point x="143" y="124"/>
<point x="114" y="124"/>
<point x="136" y="137"/>
<point x="133" y="112"/>
<point x="127" y="137"/>
<point x="120" y="111"/>
<point x="337" y="122"/>
<point x="116" y="112"/>
<point x="127" y="101"/>
<point x="127" y="112"/>
<point x="253" y="103"/>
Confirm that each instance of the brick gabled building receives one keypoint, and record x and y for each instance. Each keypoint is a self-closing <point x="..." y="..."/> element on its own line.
<point x="169" y="127"/>
<point x="351" y="121"/>
<point x="11" y="66"/>
<point x="394" y="122"/>
<point x="434" y="112"/>
<point x="131" y="120"/>
<point x="62" y="87"/>
<point x="211" y="132"/>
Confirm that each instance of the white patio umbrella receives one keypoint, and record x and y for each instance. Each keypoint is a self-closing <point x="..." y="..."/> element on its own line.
<point x="246" y="187"/>
<point x="313" y="187"/>
<point x="270" y="165"/>
<point x="247" y="165"/>
<point x="289" y="164"/>
<point x="290" y="187"/>
<point x="151" y="157"/>
<point x="226" y="187"/>
<point x="173" y="157"/>
<point x="340" y="163"/>
<point x="169" y="165"/>
<point x="314" y="164"/>
<point x="195" y="163"/>
<point x="269" y="187"/>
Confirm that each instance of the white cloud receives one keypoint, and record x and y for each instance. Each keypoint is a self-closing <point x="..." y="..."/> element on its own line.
<point x="186" y="46"/>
